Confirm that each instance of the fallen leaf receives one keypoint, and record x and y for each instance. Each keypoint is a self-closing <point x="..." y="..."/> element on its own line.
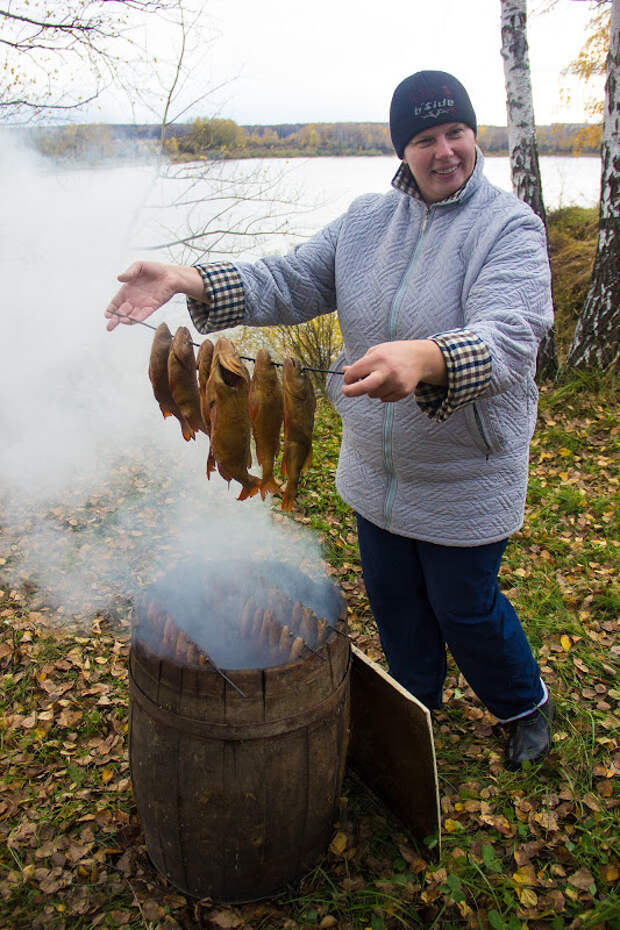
<point x="582" y="879"/>
<point x="548" y="820"/>
<point x="527" y="897"/>
<point x="338" y="844"/>
<point x="227" y="920"/>
<point x="525" y="875"/>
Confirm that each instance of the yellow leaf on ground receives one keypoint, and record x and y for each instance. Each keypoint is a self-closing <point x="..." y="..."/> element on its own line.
<point x="566" y="642"/>
<point x="338" y="844"/>
<point x="611" y="873"/>
<point x="527" y="897"/>
<point x="107" y="775"/>
<point x="525" y="875"/>
<point x="450" y="825"/>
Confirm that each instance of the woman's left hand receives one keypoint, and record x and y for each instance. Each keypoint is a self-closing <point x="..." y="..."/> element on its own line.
<point x="393" y="370"/>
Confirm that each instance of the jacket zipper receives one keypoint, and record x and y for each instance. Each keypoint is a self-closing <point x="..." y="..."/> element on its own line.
<point x="481" y="430"/>
<point x="389" y="414"/>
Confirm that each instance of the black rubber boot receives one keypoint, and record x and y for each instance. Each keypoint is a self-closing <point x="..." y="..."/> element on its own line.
<point x="530" y="737"/>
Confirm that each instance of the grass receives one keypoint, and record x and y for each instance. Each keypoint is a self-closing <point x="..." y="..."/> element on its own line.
<point x="538" y="849"/>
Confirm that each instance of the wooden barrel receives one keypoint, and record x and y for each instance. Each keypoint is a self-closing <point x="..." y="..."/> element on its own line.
<point x="237" y="794"/>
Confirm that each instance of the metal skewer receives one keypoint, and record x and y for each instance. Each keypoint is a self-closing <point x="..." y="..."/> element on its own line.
<point x="246" y="358"/>
<point x="224" y="675"/>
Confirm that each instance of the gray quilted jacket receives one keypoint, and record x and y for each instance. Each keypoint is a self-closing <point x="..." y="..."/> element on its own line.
<point x="397" y="269"/>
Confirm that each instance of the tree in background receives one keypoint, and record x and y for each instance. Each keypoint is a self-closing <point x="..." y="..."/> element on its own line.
<point x="524" y="165"/>
<point x="49" y="47"/>
<point x="588" y="65"/>
<point x="316" y="344"/>
<point x="596" y="342"/>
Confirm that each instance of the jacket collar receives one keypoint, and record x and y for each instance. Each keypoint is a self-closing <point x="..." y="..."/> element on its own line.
<point x="404" y="181"/>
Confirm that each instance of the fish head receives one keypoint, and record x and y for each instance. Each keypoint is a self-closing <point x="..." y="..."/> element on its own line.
<point x="183" y="348"/>
<point x="295" y="378"/>
<point x="230" y="367"/>
<point x="204" y="361"/>
<point x="265" y="369"/>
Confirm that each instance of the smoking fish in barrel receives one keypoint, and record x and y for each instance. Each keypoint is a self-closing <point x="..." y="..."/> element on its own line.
<point x="227" y="393"/>
<point x="266" y="411"/>
<point x="203" y="364"/>
<point x="299" y="406"/>
<point x="158" y="375"/>
<point x="183" y="381"/>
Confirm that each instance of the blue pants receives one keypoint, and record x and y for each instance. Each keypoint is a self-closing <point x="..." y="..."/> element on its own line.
<point x="424" y="596"/>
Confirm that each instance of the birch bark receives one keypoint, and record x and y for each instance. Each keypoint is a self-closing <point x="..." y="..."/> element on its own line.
<point x="596" y="342"/>
<point x="524" y="165"/>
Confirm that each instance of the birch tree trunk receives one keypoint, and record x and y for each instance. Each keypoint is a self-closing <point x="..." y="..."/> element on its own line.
<point x="524" y="165"/>
<point x="596" y="342"/>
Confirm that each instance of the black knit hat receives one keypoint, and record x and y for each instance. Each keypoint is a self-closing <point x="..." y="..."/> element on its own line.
<point x="426" y="99"/>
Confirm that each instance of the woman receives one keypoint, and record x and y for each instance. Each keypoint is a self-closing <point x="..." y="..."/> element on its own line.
<point x="442" y="288"/>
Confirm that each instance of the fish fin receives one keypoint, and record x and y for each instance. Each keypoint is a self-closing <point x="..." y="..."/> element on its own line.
<point x="249" y="489"/>
<point x="307" y="463"/>
<point x="252" y="410"/>
<point x="165" y="411"/>
<point x="225" y="475"/>
<point x="287" y="501"/>
<point x="269" y="486"/>
<point x="210" y="464"/>
<point x="188" y="432"/>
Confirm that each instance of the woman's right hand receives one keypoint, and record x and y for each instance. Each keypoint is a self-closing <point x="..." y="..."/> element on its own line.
<point x="147" y="286"/>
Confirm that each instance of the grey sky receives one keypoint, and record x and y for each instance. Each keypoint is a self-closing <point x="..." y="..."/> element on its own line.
<point x="339" y="60"/>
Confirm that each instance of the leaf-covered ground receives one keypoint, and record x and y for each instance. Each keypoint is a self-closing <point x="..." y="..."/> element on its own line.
<point x="536" y="849"/>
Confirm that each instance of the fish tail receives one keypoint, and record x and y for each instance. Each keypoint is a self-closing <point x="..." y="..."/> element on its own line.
<point x="165" y="411"/>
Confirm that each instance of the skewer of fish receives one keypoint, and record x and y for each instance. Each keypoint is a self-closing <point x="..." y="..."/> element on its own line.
<point x="246" y="358"/>
<point x="256" y="622"/>
<point x="178" y="645"/>
<point x="228" y="406"/>
<point x="264" y="627"/>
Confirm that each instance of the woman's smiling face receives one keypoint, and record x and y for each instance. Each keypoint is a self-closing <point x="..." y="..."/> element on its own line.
<point x="441" y="159"/>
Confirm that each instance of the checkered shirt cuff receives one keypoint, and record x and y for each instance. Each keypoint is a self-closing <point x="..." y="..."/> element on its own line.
<point x="223" y="305"/>
<point x="468" y="361"/>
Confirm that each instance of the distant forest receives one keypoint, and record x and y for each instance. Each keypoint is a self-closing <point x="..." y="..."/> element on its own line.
<point x="223" y="138"/>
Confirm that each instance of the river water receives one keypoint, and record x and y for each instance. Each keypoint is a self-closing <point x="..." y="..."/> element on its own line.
<point x="309" y="192"/>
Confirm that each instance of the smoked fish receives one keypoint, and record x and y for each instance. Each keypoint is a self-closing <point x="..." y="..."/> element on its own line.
<point x="227" y="393"/>
<point x="299" y="407"/>
<point x="182" y="380"/>
<point x="266" y="412"/>
<point x="203" y="364"/>
<point x="158" y="376"/>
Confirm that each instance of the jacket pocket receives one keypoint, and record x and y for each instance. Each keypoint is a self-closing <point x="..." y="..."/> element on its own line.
<point x="481" y="427"/>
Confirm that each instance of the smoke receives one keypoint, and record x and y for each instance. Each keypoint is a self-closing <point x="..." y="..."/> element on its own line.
<point x="98" y="494"/>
